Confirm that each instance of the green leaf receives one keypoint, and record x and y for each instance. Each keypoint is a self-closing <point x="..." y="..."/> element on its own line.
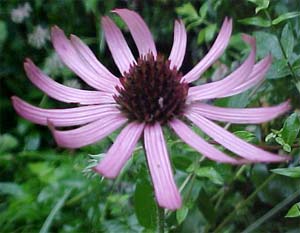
<point x="291" y="128"/>
<point x="32" y="141"/>
<point x="245" y="135"/>
<point x="285" y="16"/>
<point x="210" y="173"/>
<point x="267" y="43"/>
<point x="7" y="142"/>
<point x="270" y="136"/>
<point x="294" y="211"/>
<point x="206" y="206"/>
<point x="201" y="36"/>
<point x="44" y="171"/>
<point x="279" y="69"/>
<point x="181" y="214"/>
<point x="203" y="10"/>
<point x="187" y="10"/>
<point x="11" y="188"/>
<point x="144" y="204"/>
<point x="236" y="101"/>
<point x="293" y="172"/>
<point x="256" y="21"/>
<point x="287" y="40"/>
<point x="280" y="141"/>
<point x="210" y="32"/>
<point x="90" y="5"/>
<point x="46" y="226"/>
<point x="3" y="32"/>
<point x="287" y="147"/>
<point x="261" y="4"/>
<point x="207" y="33"/>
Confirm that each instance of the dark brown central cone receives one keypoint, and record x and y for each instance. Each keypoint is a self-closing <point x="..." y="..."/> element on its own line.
<point x="151" y="91"/>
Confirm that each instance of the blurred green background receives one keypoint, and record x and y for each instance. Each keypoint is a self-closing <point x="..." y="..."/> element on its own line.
<point x="44" y="188"/>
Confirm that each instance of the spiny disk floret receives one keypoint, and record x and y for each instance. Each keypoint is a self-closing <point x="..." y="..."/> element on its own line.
<point x="151" y="91"/>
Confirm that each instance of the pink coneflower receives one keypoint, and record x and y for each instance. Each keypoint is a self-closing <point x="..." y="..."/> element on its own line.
<point x="150" y="94"/>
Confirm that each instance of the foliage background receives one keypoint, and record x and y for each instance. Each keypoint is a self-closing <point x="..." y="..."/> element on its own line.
<point x="48" y="189"/>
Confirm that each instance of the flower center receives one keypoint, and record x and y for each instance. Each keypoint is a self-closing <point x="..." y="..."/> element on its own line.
<point x="151" y="91"/>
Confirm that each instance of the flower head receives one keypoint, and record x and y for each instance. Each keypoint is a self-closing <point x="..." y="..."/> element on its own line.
<point x="151" y="93"/>
<point x="19" y="14"/>
<point x="38" y="37"/>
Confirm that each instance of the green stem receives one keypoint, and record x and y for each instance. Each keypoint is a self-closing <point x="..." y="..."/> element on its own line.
<point x="160" y="219"/>
<point x="242" y="204"/>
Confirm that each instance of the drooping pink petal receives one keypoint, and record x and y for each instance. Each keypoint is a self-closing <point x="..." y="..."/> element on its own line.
<point x="232" y="142"/>
<point x="120" y="151"/>
<point x="139" y="31"/>
<point x="91" y="59"/>
<point x="61" y="92"/>
<point x="257" y="75"/>
<point x="199" y="144"/>
<point x="219" y="88"/>
<point x="74" y="61"/>
<point x="241" y="115"/>
<point x="214" y="53"/>
<point x="63" y="117"/>
<point x="117" y="45"/>
<point x="166" y="192"/>
<point x="89" y="133"/>
<point x="179" y="45"/>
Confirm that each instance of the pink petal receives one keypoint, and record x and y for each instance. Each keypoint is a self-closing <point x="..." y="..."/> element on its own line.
<point x="232" y="142"/>
<point x="219" y="88"/>
<point x="214" y="53"/>
<point x="241" y="115"/>
<point x="139" y="31"/>
<point x="117" y="45"/>
<point x="61" y="92"/>
<point x="179" y="45"/>
<point x="166" y="192"/>
<point x="91" y="59"/>
<point x="89" y="133"/>
<point x="196" y="142"/>
<point x="62" y="117"/>
<point x="257" y="75"/>
<point x="120" y="151"/>
<point x="74" y="61"/>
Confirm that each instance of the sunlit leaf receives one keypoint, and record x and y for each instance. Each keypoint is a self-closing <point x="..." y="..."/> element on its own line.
<point x="187" y="10"/>
<point x="256" y="21"/>
<point x="245" y="135"/>
<point x="285" y="16"/>
<point x="294" y="211"/>
<point x="293" y="172"/>
<point x="261" y="4"/>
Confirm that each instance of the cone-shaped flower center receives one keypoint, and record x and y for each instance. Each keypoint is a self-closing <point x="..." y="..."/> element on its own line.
<point x="151" y="91"/>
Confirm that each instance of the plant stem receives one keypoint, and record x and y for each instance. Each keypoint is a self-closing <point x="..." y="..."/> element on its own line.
<point x="160" y="219"/>
<point x="242" y="204"/>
